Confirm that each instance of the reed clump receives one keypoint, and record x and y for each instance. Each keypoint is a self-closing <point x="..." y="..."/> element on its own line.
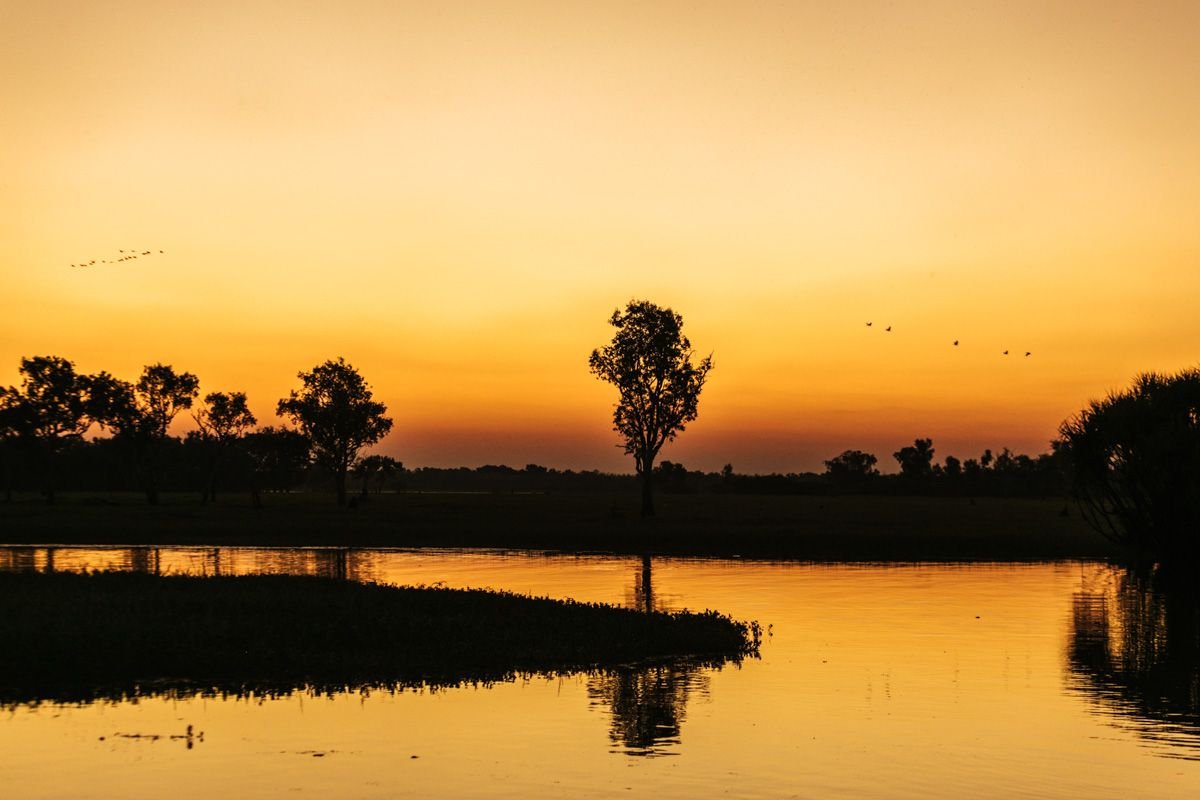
<point x="78" y="636"/>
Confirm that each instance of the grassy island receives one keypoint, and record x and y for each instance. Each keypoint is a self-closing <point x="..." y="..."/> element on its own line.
<point x="79" y="636"/>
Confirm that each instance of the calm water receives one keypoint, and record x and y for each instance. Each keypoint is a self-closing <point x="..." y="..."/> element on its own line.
<point x="1053" y="680"/>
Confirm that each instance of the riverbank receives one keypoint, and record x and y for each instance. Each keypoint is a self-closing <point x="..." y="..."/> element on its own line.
<point x="846" y="528"/>
<point x="81" y="636"/>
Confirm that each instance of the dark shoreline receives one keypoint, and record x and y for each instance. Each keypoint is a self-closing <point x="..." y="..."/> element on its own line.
<point x="840" y="528"/>
<point x="76" y="636"/>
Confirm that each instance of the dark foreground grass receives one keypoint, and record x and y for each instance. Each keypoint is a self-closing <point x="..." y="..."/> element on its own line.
<point x="83" y="636"/>
<point x="846" y="528"/>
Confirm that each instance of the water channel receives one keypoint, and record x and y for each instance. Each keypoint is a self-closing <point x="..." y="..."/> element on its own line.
<point x="875" y="681"/>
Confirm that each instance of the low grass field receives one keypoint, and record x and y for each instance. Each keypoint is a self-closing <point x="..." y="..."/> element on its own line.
<point x="842" y="528"/>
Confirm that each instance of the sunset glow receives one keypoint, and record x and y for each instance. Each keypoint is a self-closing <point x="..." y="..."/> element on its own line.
<point x="456" y="198"/>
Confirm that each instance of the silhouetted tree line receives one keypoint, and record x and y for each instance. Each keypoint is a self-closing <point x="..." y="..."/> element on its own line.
<point x="43" y="448"/>
<point x="854" y="472"/>
<point x="44" y="420"/>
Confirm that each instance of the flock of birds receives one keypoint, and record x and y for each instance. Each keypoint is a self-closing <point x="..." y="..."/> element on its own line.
<point x="888" y="329"/>
<point x="125" y="255"/>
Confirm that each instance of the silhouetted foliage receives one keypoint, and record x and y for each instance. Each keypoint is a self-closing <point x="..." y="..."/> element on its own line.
<point x="140" y="414"/>
<point x="852" y="469"/>
<point x="378" y="469"/>
<point x="334" y="409"/>
<point x="953" y="468"/>
<point x="650" y="362"/>
<point x="279" y="457"/>
<point x="222" y="422"/>
<point x="672" y="478"/>
<point x="1135" y="460"/>
<point x="53" y="407"/>
<point x="916" y="460"/>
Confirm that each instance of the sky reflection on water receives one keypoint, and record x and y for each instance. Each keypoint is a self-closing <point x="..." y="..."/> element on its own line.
<point x="879" y="681"/>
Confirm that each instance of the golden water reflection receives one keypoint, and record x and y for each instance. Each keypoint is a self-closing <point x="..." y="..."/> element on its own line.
<point x="1135" y="652"/>
<point x="892" y="681"/>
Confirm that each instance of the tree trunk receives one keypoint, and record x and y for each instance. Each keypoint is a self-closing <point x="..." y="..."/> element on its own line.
<point x="647" y="489"/>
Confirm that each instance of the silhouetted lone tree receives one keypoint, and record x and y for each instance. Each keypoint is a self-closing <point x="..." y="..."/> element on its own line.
<point x="140" y="414"/>
<point x="334" y="410"/>
<point x="223" y="421"/>
<point x="52" y="407"/>
<point x="916" y="460"/>
<point x="649" y="361"/>
<point x="1135" y="465"/>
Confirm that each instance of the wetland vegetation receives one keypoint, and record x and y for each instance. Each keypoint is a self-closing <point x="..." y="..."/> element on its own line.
<point x="72" y="636"/>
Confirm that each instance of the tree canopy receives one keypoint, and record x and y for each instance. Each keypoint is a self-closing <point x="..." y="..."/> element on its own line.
<point x="649" y="361"/>
<point x="1135" y="464"/>
<point x="336" y="412"/>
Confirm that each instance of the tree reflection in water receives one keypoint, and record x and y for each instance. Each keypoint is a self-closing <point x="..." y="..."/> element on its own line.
<point x="1135" y="650"/>
<point x="647" y="704"/>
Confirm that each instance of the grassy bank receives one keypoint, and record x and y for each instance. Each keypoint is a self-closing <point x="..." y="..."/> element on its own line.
<point x="810" y="528"/>
<point x="77" y="636"/>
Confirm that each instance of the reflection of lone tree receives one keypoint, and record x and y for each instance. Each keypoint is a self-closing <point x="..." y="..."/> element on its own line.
<point x="647" y="703"/>
<point x="1135" y="461"/>
<point x="1137" y="646"/>
<point x="649" y="361"/>
<point x="335" y="410"/>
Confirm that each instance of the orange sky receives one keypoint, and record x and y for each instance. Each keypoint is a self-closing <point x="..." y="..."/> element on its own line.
<point x="455" y="199"/>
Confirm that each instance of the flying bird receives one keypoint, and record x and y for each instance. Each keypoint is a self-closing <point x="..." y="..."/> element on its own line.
<point x="869" y="324"/>
<point x="956" y="342"/>
<point x="1028" y="354"/>
<point x="888" y="329"/>
<point x="1005" y="352"/>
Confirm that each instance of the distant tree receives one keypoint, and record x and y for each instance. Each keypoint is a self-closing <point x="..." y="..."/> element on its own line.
<point x="335" y="411"/>
<point x="14" y="430"/>
<point x="916" y="460"/>
<point x="222" y="421"/>
<point x="985" y="460"/>
<point x="141" y="413"/>
<point x="953" y="469"/>
<point x="53" y="407"/>
<point x="671" y="477"/>
<point x="851" y="467"/>
<point x="377" y="468"/>
<point x="279" y="457"/>
<point x="650" y="362"/>
<point x="1135" y="463"/>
